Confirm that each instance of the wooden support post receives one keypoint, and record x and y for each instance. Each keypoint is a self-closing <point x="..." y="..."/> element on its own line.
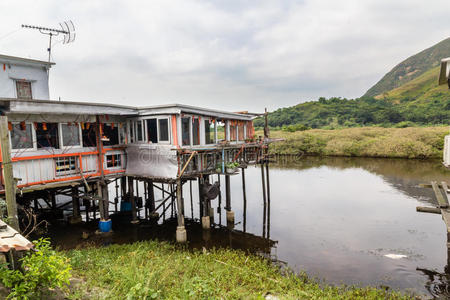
<point x="137" y="197"/>
<point x="200" y="196"/>
<point x="134" y="219"/>
<point x="101" y="206"/>
<point x="164" y="203"/>
<point x="8" y="177"/>
<point x="146" y="202"/>
<point x="172" y="201"/>
<point x="151" y="197"/>
<point x="264" y="199"/>
<point x="219" y="204"/>
<point x="268" y="199"/>
<point x="116" y="199"/>
<point x="192" y="204"/>
<point x="53" y="199"/>
<point x="441" y="201"/>
<point x="181" y="235"/>
<point x="244" y="195"/>
<point x="76" y="217"/>
<point x="123" y="187"/>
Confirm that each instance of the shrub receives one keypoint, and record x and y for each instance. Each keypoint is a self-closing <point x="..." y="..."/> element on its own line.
<point x="42" y="270"/>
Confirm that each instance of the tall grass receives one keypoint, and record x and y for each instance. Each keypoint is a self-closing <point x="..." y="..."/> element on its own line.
<point x="412" y="142"/>
<point x="152" y="269"/>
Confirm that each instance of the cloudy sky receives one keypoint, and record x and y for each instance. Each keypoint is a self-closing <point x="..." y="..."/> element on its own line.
<point x="229" y="54"/>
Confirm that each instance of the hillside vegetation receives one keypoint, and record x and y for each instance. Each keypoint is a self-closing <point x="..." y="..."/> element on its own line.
<point x="411" y="68"/>
<point x="409" y="95"/>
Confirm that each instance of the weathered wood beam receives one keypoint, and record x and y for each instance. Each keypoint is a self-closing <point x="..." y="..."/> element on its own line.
<point x="431" y="210"/>
<point x="8" y="177"/>
<point x="441" y="201"/>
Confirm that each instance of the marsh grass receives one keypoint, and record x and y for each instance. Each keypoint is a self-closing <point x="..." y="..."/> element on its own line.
<point x="411" y="142"/>
<point x="159" y="270"/>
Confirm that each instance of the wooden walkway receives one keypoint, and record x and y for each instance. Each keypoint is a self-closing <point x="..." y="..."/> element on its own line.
<point x="441" y="192"/>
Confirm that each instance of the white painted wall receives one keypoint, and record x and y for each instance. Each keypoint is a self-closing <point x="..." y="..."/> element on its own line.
<point x="36" y="74"/>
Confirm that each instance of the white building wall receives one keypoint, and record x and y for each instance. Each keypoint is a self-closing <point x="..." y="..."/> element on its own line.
<point x="37" y="75"/>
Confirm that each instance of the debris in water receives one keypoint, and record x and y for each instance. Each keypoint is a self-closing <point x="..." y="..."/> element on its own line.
<point x="395" y="256"/>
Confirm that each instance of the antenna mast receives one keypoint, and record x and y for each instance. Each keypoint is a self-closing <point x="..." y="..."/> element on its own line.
<point x="67" y="29"/>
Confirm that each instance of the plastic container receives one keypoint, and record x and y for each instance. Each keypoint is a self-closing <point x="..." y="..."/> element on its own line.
<point x="125" y="206"/>
<point x="105" y="226"/>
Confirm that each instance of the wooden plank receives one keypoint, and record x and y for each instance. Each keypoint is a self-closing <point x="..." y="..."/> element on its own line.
<point x="431" y="210"/>
<point x="8" y="177"/>
<point x="446" y="217"/>
<point x="445" y="188"/>
<point x="441" y="201"/>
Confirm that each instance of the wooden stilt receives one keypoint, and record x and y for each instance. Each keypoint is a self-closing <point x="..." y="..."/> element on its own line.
<point x="151" y="196"/>
<point x="132" y="200"/>
<point x="101" y="206"/>
<point x="268" y="199"/>
<point x="164" y="204"/>
<point x="8" y="177"/>
<point x="190" y="193"/>
<point x="219" y="204"/>
<point x="116" y="199"/>
<point x="200" y="196"/>
<point x="76" y="217"/>
<point x="264" y="199"/>
<point x="146" y="202"/>
<point x="230" y="213"/>
<point x="244" y="195"/>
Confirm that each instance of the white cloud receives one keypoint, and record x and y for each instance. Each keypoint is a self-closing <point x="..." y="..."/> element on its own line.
<point x="233" y="55"/>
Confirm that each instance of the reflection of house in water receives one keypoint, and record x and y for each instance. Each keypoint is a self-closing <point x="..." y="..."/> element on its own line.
<point x="77" y="148"/>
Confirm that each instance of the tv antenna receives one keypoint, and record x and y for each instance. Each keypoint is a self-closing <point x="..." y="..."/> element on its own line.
<point x="67" y="30"/>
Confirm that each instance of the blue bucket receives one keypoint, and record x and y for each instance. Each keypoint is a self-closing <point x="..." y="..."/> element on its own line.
<point x="125" y="206"/>
<point x="105" y="226"/>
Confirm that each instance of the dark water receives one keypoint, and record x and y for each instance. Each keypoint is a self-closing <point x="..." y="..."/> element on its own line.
<point x="334" y="218"/>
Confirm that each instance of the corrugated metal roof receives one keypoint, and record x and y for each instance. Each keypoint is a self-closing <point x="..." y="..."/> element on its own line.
<point x="11" y="239"/>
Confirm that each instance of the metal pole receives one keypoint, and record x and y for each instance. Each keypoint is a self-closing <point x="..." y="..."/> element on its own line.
<point x="268" y="200"/>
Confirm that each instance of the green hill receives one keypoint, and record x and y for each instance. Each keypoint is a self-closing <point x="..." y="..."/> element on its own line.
<point x="411" y="68"/>
<point x="407" y="95"/>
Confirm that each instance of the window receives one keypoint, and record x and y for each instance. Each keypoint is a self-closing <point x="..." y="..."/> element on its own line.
<point x="131" y="132"/>
<point x="66" y="165"/>
<point x="23" y="90"/>
<point x="139" y="133"/>
<point x="152" y="131"/>
<point x="122" y="133"/>
<point x="196" y="131"/>
<point x="186" y="131"/>
<point x="113" y="160"/>
<point x="89" y="136"/>
<point x="221" y="131"/>
<point x="209" y="132"/>
<point x="110" y="134"/>
<point x="21" y="136"/>
<point x="47" y="135"/>
<point x="70" y="134"/>
<point x="163" y="130"/>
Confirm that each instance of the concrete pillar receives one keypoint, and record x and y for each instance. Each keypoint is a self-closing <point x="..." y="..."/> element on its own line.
<point x="230" y="213"/>
<point x="181" y="235"/>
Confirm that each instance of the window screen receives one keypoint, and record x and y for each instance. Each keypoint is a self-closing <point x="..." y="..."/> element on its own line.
<point x="21" y="136"/>
<point x="163" y="130"/>
<point x="47" y="135"/>
<point x="23" y="90"/>
<point x="152" y="131"/>
<point x="113" y="160"/>
<point x="70" y="134"/>
<point x="185" y="131"/>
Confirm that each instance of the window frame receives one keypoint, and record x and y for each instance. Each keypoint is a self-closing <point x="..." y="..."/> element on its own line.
<point x="190" y="130"/>
<point x="168" y="129"/>
<point x="22" y="81"/>
<point x="116" y="125"/>
<point x="61" y="139"/>
<point x="33" y="138"/>
<point x="214" y="130"/>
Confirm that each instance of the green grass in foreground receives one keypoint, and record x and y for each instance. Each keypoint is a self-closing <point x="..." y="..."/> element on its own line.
<point x="411" y="142"/>
<point x="151" y="269"/>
